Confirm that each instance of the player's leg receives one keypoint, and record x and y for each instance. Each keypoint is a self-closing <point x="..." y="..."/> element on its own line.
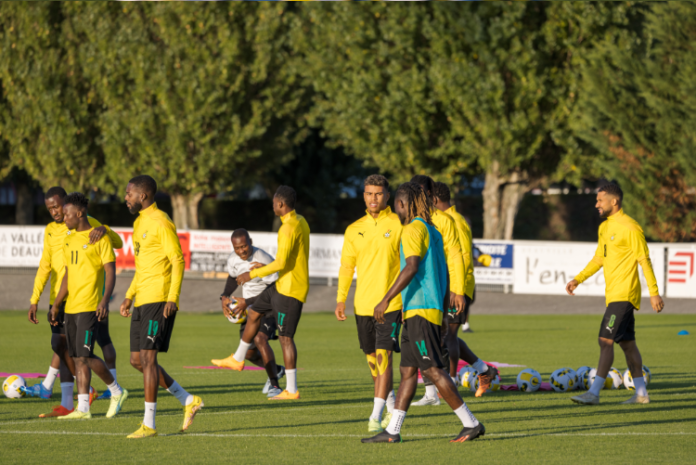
<point x="267" y="361"/>
<point x="486" y="373"/>
<point x="103" y="339"/>
<point x="626" y="336"/>
<point x="288" y="312"/>
<point x="367" y="338"/>
<point x="79" y="335"/>
<point x="386" y="343"/>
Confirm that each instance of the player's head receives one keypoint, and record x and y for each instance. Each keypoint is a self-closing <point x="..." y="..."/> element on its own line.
<point x="609" y="199"/>
<point x="54" y="200"/>
<point x="441" y="193"/>
<point x="284" y="200"/>
<point x="74" y="209"/>
<point x="426" y="182"/>
<point x="241" y="242"/>
<point x="376" y="193"/>
<point x="140" y="190"/>
<point x="410" y="201"/>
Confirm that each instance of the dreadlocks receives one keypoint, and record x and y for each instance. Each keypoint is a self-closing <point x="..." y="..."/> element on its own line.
<point x="417" y="203"/>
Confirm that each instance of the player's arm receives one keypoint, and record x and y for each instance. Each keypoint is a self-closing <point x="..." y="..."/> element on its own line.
<point x="594" y="266"/>
<point x="285" y="243"/>
<point x="108" y="261"/>
<point x="230" y="286"/>
<point x="399" y="285"/>
<point x="172" y="249"/>
<point x="42" y="276"/>
<point x="455" y="265"/>
<point x="636" y="240"/>
<point x="262" y="258"/>
<point x="62" y="294"/>
<point x="345" y="277"/>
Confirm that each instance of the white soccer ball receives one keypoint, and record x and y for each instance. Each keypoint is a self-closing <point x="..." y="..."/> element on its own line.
<point x="580" y="375"/>
<point x="572" y="374"/>
<point x="466" y="375"/>
<point x="616" y="378"/>
<point x="628" y="379"/>
<point x="11" y="387"/>
<point x="563" y="380"/>
<point x="608" y="382"/>
<point x="528" y="380"/>
<point x="646" y="371"/>
<point x="474" y="383"/>
<point x="238" y="319"/>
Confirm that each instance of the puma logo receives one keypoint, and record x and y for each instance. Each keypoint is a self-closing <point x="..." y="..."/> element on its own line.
<point x="426" y="358"/>
<point x="361" y="234"/>
<point x="152" y="338"/>
<point x="87" y="347"/>
<point x="610" y="330"/>
<point x="267" y="326"/>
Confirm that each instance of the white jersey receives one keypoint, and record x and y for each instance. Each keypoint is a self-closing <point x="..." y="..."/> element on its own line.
<point x="236" y="266"/>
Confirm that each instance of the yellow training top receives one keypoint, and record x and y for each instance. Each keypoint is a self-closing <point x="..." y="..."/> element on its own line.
<point x="415" y="240"/>
<point x="52" y="264"/>
<point x="621" y="247"/>
<point x="159" y="262"/>
<point x="292" y="260"/>
<point x="85" y="263"/>
<point x="373" y="246"/>
<point x="466" y="242"/>
<point x="453" y="252"/>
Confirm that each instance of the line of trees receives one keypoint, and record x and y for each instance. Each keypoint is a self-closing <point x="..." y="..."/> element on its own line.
<point x="217" y="96"/>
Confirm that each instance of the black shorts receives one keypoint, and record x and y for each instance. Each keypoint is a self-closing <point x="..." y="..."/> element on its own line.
<point x="150" y="330"/>
<point x="79" y="330"/>
<point x="102" y="332"/>
<point x="373" y="335"/>
<point x="60" y="328"/>
<point x="421" y="345"/>
<point x="286" y="310"/>
<point x="268" y="327"/>
<point x="618" y="323"/>
<point x="453" y="318"/>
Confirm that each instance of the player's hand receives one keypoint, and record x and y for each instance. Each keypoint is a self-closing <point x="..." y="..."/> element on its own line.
<point x="243" y="278"/>
<point x="340" y="311"/>
<point x="102" y="310"/>
<point x="224" y="302"/>
<point x="457" y="301"/>
<point x="96" y="234"/>
<point x="53" y="314"/>
<point x="33" y="308"/>
<point x="169" y="309"/>
<point x="241" y="306"/>
<point x="571" y="286"/>
<point x="125" y="307"/>
<point x="255" y="265"/>
<point x="380" y="309"/>
<point x="657" y="303"/>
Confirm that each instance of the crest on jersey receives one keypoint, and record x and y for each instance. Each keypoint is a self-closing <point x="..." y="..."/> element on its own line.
<point x="612" y="238"/>
<point x="84" y="246"/>
<point x="387" y="234"/>
<point x="145" y="235"/>
<point x="68" y="232"/>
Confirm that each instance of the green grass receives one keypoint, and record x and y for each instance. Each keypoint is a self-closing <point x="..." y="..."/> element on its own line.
<point x="239" y="425"/>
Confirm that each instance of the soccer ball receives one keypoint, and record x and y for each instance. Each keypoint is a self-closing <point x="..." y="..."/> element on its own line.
<point x="646" y="371"/>
<point x="580" y="375"/>
<point x="529" y="380"/>
<point x="238" y="319"/>
<point x="608" y="383"/>
<point x="466" y="375"/>
<point x="474" y="382"/>
<point x="12" y="387"/>
<point x="563" y="380"/>
<point x="573" y="376"/>
<point x="616" y="378"/>
<point x="628" y="379"/>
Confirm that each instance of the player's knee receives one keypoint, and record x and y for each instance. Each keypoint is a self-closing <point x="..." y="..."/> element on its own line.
<point x="58" y="344"/>
<point x="382" y="360"/>
<point x="605" y="343"/>
<point x="372" y="363"/>
<point x="135" y="362"/>
<point x="261" y="339"/>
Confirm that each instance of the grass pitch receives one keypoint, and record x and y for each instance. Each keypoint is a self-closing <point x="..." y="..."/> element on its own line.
<point x="238" y="424"/>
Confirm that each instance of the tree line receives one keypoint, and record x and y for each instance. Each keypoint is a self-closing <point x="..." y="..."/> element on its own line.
<point x="216" y="97"/>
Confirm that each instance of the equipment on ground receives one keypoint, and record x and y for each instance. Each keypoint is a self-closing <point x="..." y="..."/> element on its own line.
<point x="12" y="387"/>
<point x="529" y="380"/>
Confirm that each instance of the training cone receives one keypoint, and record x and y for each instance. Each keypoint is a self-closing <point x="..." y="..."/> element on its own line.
<point x="683" y="332"/>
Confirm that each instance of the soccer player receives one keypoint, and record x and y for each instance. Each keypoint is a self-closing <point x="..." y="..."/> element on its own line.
<point x="52" y="266"/>
<point x="621" y="248"/>
<point x="88" y="281"/>
<point x="287" y="295"/>
<point x="456" y="347"/>
<point x="159" y="270"/>
<point x="372" y="245"/>
<point x="422" y="283"/>
<point x="260" y="353"/>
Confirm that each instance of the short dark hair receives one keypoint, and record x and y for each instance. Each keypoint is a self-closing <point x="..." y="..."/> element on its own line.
<point x="145" y="183"/>
<point x="377" y="180"/>
<point x="442" y="192"/>
<point x="56" y="190"/>
<point x="241" y="232"/>
<point x="287" y="194"/>
<point x="78" y="199"/>
<point x="612" y="189"/>
<point x="426" y="182"/>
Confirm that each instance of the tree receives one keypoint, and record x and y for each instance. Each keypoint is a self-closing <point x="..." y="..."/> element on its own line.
<point x="639" y="112"/>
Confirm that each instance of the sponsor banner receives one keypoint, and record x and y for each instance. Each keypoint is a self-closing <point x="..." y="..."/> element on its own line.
<point x="546" y="267"/>
<point x="681" y="271"/>
<point x="125" y="259"/>
<point x="21" y="246"/>
<point x="501" y="270"/>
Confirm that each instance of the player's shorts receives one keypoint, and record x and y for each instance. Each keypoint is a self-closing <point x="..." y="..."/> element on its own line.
<point x="373" y="335"/>
<point x="618" y="323"/>
<point x="60" y="317"/>
<point x="453" y="318"/>
<point x="102" y="332"/>
<point x="150" y="330"/>
<point x="421" y="345"/>
<point x="268" y="327"/>
<point x="286" y="310"/>
<point x="79" y="331"/>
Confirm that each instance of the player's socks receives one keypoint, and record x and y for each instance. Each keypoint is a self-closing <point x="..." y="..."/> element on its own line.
<point x="291" y="382"/>
<point x="480" y="366"/>
<point x="180" y="393"/>
<point x="468" y="419"/>
<point x="391" y="400"/>
<point x="114" y="388"/>
<point x="430" y="391"/>
<point x="641" y="389"/>
<point x="113" y="372"/>
<point x="597" y="385"/>
<point x="83" y="403"/>
<point x="51" y="378"/>
<point x="377" y="409"/>
<point x="66" y="396"/>
<point x="242" y="349"/>
<point x="150" y="411"/>
<point x="397" y="420"/>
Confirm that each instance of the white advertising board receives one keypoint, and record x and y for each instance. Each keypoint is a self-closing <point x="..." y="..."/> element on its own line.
<point x="681" y="271"/>
<point x="546" y="267"/>
<point x="21" y="246"/>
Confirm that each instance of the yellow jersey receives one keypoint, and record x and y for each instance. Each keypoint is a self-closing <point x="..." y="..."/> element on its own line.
<point x="159" y="262"/>
<point x="620" y="249"/>
<point x="85" y="263"/>
<point x="453" y="252"/>
<point x="466" y="243"/>
<point x="371" y="245"/>
<point x="415" y="240"/>
<point x="52" y="265"/>
<point x="292" y="260"/>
